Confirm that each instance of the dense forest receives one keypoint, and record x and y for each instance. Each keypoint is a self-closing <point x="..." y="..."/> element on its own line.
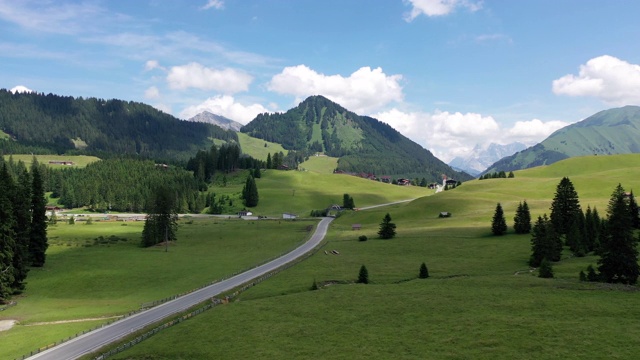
<point x="44" y="124"/>
<point x="362" y="143"/>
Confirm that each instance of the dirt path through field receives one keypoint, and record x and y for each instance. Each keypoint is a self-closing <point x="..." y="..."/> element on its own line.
<point x="73" y="321"/>
<point x="6" y="324"/>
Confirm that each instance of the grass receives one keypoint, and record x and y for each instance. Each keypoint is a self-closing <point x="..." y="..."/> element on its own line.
<point x="256" y="149"/>
<point x="87" y="278"/>
<point x="78" y="160"/>
<point x="481" y="302"/>
<point x="320" y="164"/>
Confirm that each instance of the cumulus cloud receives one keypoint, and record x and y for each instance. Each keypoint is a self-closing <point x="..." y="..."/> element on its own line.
<point x="607" y="78"/>
<point x="20" y="89"/>
<point x="439" y="7"/>
<point x="152" y="93"/>
<point x="152" y="64"/>
<point x="227" y="106"/>
<point x="362" y="92"/>
<point x="448" y="135"/>
<point x="215" y="4"/>
<point x="194" y="75"/>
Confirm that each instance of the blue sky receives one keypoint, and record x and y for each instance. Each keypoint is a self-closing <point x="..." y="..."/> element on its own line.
<point x="449" y="74"/>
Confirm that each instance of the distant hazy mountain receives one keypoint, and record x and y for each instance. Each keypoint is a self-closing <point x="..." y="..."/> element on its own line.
<point x="481" y="157"/>
<point x="362" y="144"/>
<point x="613" y="131"/>
<point x="223" y="122"/>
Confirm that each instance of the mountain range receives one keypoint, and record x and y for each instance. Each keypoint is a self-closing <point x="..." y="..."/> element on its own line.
<point x="481" y="157"/>
<point x="613" y="131"/>
<point x="218" y="120"/>
<point x="362" y="144"/>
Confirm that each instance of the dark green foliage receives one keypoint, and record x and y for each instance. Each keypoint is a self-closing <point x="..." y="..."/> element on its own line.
<point x="269" y="162"/>
<point x="545" y="270"/>
<point x="314" y="286"/>
<point x="575" y="237"/>
<point x="582" y="276"/>
<point x="125" y="185"/>
<point x="362" y="143"/>
<point x="618" y="261"/>
<point x="592" y="276"/>
<point x="162" y="219"/>
<point x="495" y="175"/>
<point x="545" y="242"/>
<point x="7" y="235"/>
<point x="319" y="213"/>
<point x="256" y="173"/>
<point x="49" y="124"/>
<point x="592" y="226"/>
<point x="565" y="206"/>
<point x="22" y="229"/>
<point x="72" y="220"/>
<point x="89" y="221"/>
<point x="387" y="228"/>
<point x="424" y="272"/>
<point x="347" y="202"/>
<point x="511" y="175"/>
<point x="38" y="243"/>
<point x="363" y="275"/>
<point x="522" y="220"/>
<point x="634" y="211"/>
<point x="362" y="238"/>
<point x="499" y="223"/>
<point x="250" y="192"/>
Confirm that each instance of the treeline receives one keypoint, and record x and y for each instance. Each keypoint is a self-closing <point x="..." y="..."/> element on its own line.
<point x="40" y="124"/>
<point x="497" y="175"/>
<point x="125" y="185"/>
<point x="226" y="158"/>
<point x="23" y="227"/>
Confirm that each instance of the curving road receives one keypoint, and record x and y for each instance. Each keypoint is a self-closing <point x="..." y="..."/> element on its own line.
<point x="93" y="340"/>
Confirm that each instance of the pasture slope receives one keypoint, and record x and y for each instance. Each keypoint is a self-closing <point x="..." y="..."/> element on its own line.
<point x="481" y="301"/>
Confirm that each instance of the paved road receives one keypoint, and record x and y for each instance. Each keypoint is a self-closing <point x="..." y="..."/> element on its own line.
<point x="91" y="341"/>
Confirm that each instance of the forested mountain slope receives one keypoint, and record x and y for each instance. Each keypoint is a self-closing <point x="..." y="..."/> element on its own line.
<point x="362" y="143"/>
<point x="613" y="131"/>
<point x="38" y="123"/>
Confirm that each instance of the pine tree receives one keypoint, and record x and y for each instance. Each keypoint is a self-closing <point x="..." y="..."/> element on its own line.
<point x="424" y="272"/>
<point x="545" y="270"/>
<point x="363" y="275"/>
<point x="162" y="219"/>
<point x="634" y="211"/>
<point x="250" y="192"/>
<point x="256" y="173"/>
<point x="618" y="261"/>
<point x="522" y="220"/>
<point x="591" y="229"/>
<point x="499" y="223"/>
<point x="38" y="243"/>
<point x="545" y="242"/>
<point x="7" y="235"/>
<point x="575" y="237"/>
<point x="22" y="216"/>
<point x="565" y="206"/>
<point x="347" y="202"/>
<point x="387" y="228"/>
<point x="269" y="163"/>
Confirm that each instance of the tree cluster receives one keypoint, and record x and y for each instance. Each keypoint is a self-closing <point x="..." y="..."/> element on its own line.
<point x="23" y="227"/>
<point x="497" y="175"/>
<point x="250" y="192"/>
<point x="347" y="202"/>
<point x="162" y="219"/>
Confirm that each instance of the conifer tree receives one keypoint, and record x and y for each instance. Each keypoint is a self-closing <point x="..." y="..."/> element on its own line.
<point x="424" y="272"/>
<point x="591" y="229"/>
<point x="38" y="243"/>
<point x="618" y="261"/>
<point x="546" y="270"/>
<point x="22" y="216"/>
<point x="269" y="163"/>
<point x="545" y="242"/>
<point x="7" y="235"/>
<point x="347" y="202"/>
<point x="387" y="228"/>
<point x="499" y="223"/>
<point x="522" y="220"/>
<point x="250" y="192"/>
<point x="363" y="275"/>
<point x="162" y="219"/>
<point x="565" y="206"/>
<point x="575" y="237"/>
<point x="634" y="211"/>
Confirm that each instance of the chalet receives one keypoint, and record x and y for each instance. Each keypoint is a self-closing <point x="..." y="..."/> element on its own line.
<point x="356" y="226"/>
<point x="404" y="182"/>
<point x="385" y="179"/>
<point x="289" y="216"/>
<point x="283" y="167"/>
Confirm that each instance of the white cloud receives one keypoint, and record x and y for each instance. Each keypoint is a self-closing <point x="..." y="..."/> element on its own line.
<point x="607" y="78"/>
<point x="363" y="91"/>
<point x="20" y="89"/>
<point x="152" y="93"/>
<point x="163" y="107"/>
<point x="439" y="7"/>
<point x="448" y="135"/>
<point x="195" y="75"/>
<point x="216" y="4"/>
<point x="226" y="106"/>
<point x="152" y="64"/>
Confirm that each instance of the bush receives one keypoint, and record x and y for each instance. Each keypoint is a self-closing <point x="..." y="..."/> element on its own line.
<point x="363" y="276"/>
<point x="545" y="270"/>
<point x="424" y="272"/>
<point x="362" y="238"/>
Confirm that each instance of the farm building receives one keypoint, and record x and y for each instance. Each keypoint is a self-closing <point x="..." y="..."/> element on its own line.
<point x="289" y="216"/>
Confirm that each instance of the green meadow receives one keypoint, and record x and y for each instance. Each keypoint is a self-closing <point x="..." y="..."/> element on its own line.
<point x="78" y="160"/>
<point x="320" y="164"/>
<point x="481" y="302"/>
<point x="256" y="148"/>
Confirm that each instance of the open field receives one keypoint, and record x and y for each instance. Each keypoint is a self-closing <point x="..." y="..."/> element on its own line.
<point x="256" y="149"/>
<point x="89" y="277"/>
<point x="481" y="302"/>
<point x="78" y="160"/>
<point x="320" y="164"/>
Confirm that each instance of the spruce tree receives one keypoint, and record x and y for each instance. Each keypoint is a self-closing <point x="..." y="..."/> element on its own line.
<point x="545" y="242"/>
<point x="269" y="163"/>
<point x="522" y="220"/>
<point x="618" y="261"/>
<point x="22" y="215"/>
<point x="387" y="228"/>
<point x="499" y="223"/>
<point x="38" y="243"/>
<point x="575" y="237"/>
<point x="256" y="173"/>
<point x="591" y="229"/>
<point x="250" y="192"/>
<point x="363" y="275"/>
<point x="634" y="211"/>
<point x="7" y="235"/>
<point x="162" y="219"/>
<point x="545" y="270"/>
<point x="565" y="206"/>
<point x="424" y="272"/>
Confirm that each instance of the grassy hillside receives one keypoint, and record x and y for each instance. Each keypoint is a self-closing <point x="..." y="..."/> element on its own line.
<point x="320" y="164"/>
<point x="481" y="302"/>
<point x="256" y="149"/>
<point x="78" y="160"/>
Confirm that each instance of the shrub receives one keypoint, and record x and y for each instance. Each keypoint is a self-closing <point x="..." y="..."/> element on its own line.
<point x="363" y="276"/>
<point x="362" y="238"/>
<point x="424" y="272"/>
